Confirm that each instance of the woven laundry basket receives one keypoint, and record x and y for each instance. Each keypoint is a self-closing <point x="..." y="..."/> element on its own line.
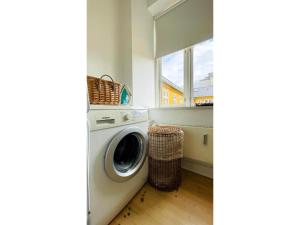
<point x="103" y="92"/>
<point x="165" y="154"/>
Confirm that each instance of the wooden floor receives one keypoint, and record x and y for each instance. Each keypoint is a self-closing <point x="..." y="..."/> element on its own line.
<point x="192" y="204"/>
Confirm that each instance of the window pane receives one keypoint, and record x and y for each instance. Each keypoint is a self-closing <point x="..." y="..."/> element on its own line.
<point x="203" y="73"/>
<point x="172" y="79"/>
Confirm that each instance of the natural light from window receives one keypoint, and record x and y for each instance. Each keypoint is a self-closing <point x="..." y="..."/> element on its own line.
<point x="172" y="79"/>
<point x="203" y="73"/>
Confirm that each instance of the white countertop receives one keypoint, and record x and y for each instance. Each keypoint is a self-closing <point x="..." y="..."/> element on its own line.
<point x="110" y="107"/>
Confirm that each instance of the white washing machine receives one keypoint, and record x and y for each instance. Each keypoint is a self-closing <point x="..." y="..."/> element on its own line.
<point x="117" y="160"/>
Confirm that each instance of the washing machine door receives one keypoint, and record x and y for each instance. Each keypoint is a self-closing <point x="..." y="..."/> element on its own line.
<point x="126" y="154"/>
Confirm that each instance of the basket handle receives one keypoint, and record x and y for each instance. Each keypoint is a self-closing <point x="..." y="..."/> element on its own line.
<point x="105" y="75"/>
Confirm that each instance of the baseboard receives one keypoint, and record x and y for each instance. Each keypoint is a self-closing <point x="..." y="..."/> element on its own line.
<point x="198" y="167"/>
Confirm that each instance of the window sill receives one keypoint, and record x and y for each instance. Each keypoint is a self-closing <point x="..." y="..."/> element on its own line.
<point x="182" y="108"/>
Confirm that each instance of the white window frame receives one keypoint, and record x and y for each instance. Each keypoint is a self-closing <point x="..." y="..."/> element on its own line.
<point x="188" y="80"/>
<point x="158" y="83"/>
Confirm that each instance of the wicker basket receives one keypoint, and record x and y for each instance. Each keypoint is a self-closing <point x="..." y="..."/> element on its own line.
<point x="103" y="92"/>
<point x="165" y="154"/>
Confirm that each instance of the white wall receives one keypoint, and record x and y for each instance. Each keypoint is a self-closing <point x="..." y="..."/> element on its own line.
<point x="125" y="42"/>
<point x="142" y="54"/>
<point x="103" y="37"/>
<point x="151" y="2"/>
<point x="120" y="43"/>
<point x="186" y="116"/>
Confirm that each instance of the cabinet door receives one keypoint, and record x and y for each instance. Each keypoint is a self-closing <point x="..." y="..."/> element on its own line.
<point x="198" y="143"/>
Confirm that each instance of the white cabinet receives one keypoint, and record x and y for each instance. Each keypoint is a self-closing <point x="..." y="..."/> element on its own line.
<point x="198" y="143"/>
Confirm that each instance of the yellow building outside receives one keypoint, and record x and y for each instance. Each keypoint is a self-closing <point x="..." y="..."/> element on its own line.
<point x="170" y="95"/>
<point x="204" y="99"/>
<point x="174" y="96"/>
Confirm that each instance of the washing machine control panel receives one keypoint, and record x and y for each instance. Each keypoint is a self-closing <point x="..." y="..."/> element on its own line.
<point x="101" y="119"/>
<point x="126" y="117"/>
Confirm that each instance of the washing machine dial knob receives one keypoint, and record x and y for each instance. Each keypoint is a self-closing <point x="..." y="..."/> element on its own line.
<point x="127" y="117"/>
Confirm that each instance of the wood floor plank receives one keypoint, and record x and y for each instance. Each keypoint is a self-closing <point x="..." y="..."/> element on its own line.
<point x="191" y="204"/>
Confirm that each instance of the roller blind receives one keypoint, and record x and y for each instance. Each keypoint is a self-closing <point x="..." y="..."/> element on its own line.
<point x="187" y="24"/>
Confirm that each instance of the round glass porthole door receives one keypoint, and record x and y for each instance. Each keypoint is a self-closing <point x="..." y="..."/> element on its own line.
<point x="125" y="154"/>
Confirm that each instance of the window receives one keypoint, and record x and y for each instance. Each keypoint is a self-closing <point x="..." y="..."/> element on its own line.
<point x="202" y="73"/>
<point x="186" y="77"/>
<point x="165" y="97"/>
<point x="172" y="78"/>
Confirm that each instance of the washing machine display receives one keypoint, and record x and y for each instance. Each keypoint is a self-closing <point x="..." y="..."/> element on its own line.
<point x="125" y="154"/>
